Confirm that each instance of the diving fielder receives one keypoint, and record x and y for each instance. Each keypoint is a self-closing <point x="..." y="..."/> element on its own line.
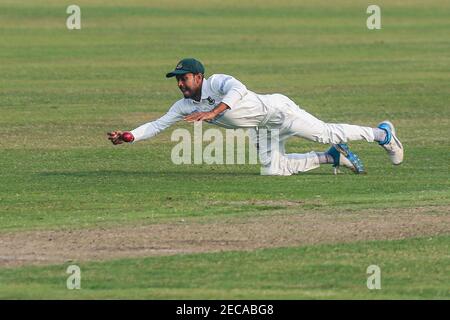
<point x="226" y="102"/>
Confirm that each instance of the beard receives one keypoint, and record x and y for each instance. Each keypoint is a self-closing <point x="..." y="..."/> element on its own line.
<point x="187" y="93"/>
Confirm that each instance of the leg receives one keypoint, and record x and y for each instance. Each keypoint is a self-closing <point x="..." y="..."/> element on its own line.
<point x="275" y="161"/>
<point x="300" y="123"/>
<point x="307" y="126"/>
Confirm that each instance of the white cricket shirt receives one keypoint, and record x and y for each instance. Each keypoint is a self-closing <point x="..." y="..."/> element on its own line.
<point x="247" y="109"/>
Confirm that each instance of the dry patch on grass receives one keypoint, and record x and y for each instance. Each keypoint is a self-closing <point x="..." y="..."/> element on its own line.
<point x="221" y="234"/>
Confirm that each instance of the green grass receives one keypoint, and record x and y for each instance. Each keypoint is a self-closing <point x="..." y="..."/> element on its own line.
<point x="410" y="269"/>
<point x="61" y="91"/>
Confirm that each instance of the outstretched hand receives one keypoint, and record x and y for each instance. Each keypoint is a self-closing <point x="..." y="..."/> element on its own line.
<point x="115" y="137"/>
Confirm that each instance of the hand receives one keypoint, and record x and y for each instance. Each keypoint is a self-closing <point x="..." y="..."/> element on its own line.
<point x="115" y="137"/>
<point x="200" y="116"/>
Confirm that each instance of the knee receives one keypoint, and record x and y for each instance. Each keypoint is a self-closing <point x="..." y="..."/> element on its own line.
<point x="271" y="171"/>
<point x="330" y="134"/>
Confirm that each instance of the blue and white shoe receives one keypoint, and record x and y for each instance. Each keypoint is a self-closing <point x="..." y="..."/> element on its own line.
<point x="391" y="144"/>
<point x="342" y="156"/>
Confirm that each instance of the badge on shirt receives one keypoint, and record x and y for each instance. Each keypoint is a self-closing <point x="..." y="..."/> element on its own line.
<point x="211" y="101"/>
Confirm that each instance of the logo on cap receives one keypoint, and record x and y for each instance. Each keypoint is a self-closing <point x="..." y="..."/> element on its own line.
<point x="179" y="66"/>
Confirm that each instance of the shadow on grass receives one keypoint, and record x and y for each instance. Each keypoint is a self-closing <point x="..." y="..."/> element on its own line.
<point x="206" y="172"/>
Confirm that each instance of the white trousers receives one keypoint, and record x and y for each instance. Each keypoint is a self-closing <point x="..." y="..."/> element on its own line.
<point x="295" y="121"/>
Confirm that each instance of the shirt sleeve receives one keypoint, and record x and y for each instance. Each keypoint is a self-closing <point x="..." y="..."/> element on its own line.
<point x="152" y="128"/>
<point x="232" y="89"/>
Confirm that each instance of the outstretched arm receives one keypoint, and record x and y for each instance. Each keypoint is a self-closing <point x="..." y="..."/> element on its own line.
<point x="149" y="129"/>
<point x="152" y="128"/>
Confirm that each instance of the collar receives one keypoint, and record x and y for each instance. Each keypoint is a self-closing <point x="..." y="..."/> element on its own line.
<point x="205" y="91"/>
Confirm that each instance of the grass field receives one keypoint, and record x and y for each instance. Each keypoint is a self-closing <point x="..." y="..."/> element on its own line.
<point x="412" y="270"/>
<point x="61" y="91"/>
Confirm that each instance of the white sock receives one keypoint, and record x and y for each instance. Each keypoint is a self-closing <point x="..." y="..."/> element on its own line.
<point x="324" y="157"/>
<point x="379" y="134"/>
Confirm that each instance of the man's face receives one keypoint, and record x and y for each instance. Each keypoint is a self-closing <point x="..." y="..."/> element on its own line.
<point x="190" y="84"/>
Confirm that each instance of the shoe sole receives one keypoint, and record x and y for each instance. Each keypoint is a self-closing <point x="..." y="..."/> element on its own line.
<point x="345" y="151"/>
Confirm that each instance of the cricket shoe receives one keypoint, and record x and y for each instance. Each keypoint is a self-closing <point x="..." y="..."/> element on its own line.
<point x="391" y="144"/>
<point x="342" y="156"/>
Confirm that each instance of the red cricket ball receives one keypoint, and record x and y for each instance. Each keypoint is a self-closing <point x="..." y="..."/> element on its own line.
<point x="127" y="136"/>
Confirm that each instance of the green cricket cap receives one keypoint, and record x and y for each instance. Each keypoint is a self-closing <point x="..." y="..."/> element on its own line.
<point x="186" y="66"/>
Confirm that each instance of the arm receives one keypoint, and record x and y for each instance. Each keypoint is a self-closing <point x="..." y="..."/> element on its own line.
<point x="152" y="128"/>
<point x="149" y="129"/>
<point x="233" y="91"/>
<point x="200" y="116"/>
